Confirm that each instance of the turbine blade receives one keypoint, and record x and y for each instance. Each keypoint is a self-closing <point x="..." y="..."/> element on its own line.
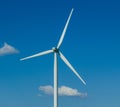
<point x="65" y="28"/>
<point x="71" y="67"/>
<point x="36" y="55"/>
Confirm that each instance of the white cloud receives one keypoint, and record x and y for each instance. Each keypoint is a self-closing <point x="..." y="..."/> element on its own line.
<point x="62" y="91"/>
<point x="8" y="49"/>
<point x="67" y="91"/>
<point x="46" y="89"/>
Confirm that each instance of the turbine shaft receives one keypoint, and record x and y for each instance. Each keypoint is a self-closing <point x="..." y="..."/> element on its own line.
<point x="36" y="55"/>
<point x="65" y="28"/>
<point x="71" y="67"/>
<point x="55" y="81"/>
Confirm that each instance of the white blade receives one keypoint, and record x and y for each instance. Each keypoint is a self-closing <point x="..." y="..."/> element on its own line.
<point x="70" y="66"/>
<point x="65" y="28"/>
<point x="36" y="55"/>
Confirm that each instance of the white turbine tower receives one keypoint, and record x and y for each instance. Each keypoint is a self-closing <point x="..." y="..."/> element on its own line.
<point x="56" y="52"/>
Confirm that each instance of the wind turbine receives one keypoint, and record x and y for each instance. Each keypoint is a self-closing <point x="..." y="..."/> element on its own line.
<point x="56" y="51"/>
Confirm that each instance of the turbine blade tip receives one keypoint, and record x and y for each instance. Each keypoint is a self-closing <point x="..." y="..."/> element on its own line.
<point x="84" y="83"/>
<point x="21" y="59"/>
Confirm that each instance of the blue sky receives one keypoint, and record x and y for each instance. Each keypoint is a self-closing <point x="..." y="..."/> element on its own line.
<point x="91" y="44"/>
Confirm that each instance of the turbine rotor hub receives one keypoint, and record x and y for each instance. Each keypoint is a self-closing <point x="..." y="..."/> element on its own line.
<point x="55" y="49"/>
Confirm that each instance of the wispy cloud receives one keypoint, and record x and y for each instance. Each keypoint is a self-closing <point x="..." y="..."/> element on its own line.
<point x="7" y="49"/>
<point x="62" y="91"/>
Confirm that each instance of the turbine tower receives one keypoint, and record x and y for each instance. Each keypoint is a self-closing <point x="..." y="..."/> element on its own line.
<point x="56" y="51"/>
